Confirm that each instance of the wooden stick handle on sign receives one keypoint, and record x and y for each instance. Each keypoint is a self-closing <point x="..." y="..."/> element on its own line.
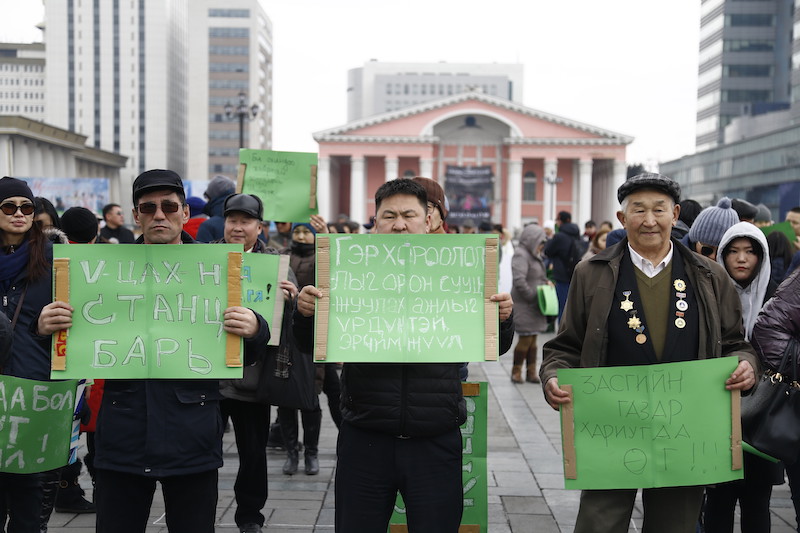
<point x="60" y="293"/>
<point x="233" y="343"/>
<point x="736" y="429"/>
<point x="490" y="307"/>
<point x="312" y="197"/>
<point x="322" y="312"/>
<point x="568" y="435"/>
<point x="240" y="178"/>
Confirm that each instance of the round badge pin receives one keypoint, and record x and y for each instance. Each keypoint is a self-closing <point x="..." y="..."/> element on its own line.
<point x="680" y="323"/>
<point x="682" y="305"/>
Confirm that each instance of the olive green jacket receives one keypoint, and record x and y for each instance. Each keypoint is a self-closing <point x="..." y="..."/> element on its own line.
<point x="582" y="339"/>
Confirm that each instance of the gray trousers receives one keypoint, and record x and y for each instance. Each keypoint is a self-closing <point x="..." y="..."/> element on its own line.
<point x="666" y="510"/>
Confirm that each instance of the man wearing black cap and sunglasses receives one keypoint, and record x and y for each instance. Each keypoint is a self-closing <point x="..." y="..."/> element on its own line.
<point x="162" y="430"/>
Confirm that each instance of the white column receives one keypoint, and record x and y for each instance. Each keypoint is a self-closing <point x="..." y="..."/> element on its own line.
<point x="549" y="189"/>
<point x="391" y="168"/>
<point x="584" y="191"/>
<point x="6" y="156"/>
<point x="358" y="186"/>
<point x="324" y="187"/>
<point x="514" y="196"/>
<point x="426" y="168"/>
<point x="619" y="177"/>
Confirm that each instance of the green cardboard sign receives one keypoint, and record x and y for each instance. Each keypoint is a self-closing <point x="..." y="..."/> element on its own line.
<point x="147" y="311"/>
<point x="285" y="181"/>
<point x="648" y="426"/>
<point x="474" y="469"/>
<point x="782" y="227"/>
<point x="406" y="298"/>
<point x="36" y="424"/>
<point x="261" y="274"/>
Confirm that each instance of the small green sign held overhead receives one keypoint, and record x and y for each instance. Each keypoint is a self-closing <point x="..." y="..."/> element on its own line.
<point x="664" y="425"/>
<point x="285" y="181"/>
<point x="147" y="311"/>
<point x="406" y="298"/>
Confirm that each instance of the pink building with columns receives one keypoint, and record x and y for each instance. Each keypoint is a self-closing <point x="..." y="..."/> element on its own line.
<point x="541" y="163"/>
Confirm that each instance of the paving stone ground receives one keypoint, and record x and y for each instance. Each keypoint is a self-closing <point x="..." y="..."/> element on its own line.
<point x="526" y="488"/>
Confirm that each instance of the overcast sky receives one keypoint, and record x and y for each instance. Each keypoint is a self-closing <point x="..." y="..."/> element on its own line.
<point x="629" y="66"/>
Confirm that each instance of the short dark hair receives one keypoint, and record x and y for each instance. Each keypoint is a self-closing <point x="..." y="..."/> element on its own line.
<point x="795" y="209"/>
<point x="564" y="217"/>
<point x="689" y="211"/>
<point x="590" y="224"/>
<point x="401" y="186"/>
<point x="108" y="208"/>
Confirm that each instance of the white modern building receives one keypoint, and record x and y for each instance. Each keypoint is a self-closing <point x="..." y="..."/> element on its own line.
<point x="230" y="65"/>
<point x="150" y="79"/>
<point x="22" y="80"/>
<point x="744" y="63"/>
<point x="380" y="87"/>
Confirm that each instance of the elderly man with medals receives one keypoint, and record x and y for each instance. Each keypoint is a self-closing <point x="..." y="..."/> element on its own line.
<point x="646" y="300"/>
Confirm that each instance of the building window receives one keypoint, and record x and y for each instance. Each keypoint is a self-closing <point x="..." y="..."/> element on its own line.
<point x="745" y="95"/>
<point x="742" y="45"/>
<point x="749" y="19"/>
<point x="747" y="71"/>
<point x="529" y="187"/>
<point x="229" y="13"/>
<point x="229" y="33"/>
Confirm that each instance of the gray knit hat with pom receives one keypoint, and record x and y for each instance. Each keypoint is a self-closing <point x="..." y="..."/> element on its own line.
<point x="713" y="222"/>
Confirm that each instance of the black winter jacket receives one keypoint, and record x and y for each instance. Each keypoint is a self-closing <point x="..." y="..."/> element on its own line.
<point x="559" y="248"/>
<point x="164" y="427"/>
<point x="30" y="352"/>
<point x="402" y="399"/>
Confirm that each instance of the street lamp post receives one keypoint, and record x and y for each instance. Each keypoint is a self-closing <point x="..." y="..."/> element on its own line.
<point x="552" y="180"/>
<point x="243" y="112"/>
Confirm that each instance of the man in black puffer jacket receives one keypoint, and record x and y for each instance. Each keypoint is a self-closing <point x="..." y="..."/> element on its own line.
<point x="401" y="420"/>
<point x="564" y="251"/>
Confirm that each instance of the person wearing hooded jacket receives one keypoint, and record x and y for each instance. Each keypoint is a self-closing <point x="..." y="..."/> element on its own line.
<point x="528" y="273"/>
<point x="744" y="254"/>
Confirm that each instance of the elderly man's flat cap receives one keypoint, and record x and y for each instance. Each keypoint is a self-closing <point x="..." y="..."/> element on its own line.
<point x="650" y="180"/>
<point x="249" y="204"/>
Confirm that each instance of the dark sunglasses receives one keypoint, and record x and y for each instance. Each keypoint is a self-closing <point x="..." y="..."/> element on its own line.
<point x="708" y="251"/>
<point x="148" y="208"/>
<point x="10" y="209"/>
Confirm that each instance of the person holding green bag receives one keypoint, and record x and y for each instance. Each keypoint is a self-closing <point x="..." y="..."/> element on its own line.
<point x="528" y="273"/>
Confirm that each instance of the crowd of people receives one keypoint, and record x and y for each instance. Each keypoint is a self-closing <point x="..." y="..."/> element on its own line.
<point x="399" y="423"/>
<point x="126" y="421"/>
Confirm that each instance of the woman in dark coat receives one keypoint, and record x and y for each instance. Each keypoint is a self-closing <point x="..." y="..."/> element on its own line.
<point x="25" y="288"/>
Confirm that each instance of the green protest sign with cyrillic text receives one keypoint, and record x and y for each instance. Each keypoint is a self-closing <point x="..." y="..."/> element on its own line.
<point x="285" y="181"/>
<point x="36" y="424"/>
<point x="645" y="426"/>
<point x="406" y="298"/>
<point x="148" y="311"/>
<point x="261" y="274"/>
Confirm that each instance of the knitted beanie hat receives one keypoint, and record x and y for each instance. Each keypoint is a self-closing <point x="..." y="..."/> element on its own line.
<point x="220" y="186"/>
<point x="713" y="222"/>
<point x="763" y="214"/>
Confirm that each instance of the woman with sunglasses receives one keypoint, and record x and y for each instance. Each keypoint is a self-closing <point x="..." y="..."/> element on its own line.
<point x="26" y="257"/>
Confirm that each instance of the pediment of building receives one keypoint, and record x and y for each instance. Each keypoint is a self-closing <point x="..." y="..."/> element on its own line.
<point x="472" y="117"/>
